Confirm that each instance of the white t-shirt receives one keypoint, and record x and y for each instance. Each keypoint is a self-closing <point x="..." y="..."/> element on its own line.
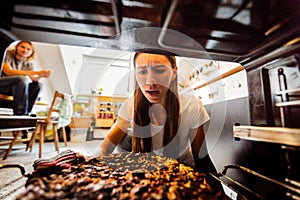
<point x="192" y="116"/>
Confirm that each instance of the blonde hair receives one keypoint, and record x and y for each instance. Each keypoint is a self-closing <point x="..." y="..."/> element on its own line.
<point x="13" y="50"/>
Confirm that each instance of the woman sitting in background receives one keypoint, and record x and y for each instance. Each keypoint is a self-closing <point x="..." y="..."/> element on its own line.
<point x="18" y="78"/>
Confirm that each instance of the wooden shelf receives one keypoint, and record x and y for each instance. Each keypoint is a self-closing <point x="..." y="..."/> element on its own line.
<point x="111" y="98"/>
<point x="106" y="106"/>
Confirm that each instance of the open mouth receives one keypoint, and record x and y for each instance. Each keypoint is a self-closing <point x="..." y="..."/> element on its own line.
<point x="153" y="93"/>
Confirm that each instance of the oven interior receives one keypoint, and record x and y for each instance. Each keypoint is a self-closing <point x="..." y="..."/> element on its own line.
<point x="263" y="36"/>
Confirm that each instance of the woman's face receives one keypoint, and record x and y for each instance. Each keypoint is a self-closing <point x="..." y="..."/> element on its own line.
<point x="154" y="74"/>
<point x="24" y="50"/>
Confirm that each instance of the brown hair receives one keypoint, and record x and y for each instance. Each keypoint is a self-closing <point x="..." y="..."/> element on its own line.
<point x="14" y="49"/>
<point x="141" y="114"/>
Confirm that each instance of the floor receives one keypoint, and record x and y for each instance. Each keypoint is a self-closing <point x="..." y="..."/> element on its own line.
<point x="12" y="182"/>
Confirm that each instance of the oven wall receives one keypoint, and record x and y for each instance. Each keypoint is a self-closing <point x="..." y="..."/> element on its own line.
<point x="258" y="109"/>
<point x="226" y="149"/>
<point x="265" y="158"/>
<point x="264" y="84"/>
<point x="291" y="114"/>
<point x="257" y="99"/>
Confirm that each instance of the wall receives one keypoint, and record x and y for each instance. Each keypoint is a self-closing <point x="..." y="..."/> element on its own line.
<point x="69" y="68"/>
<point x="72" y="57"/>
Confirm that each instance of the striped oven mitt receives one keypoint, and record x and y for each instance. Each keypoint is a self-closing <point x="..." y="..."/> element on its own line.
<point x="64" y="159"/>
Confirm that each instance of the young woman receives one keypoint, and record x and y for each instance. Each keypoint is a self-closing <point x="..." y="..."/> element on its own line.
<point x="16" y="68"/>
<point x="158" y="119"/>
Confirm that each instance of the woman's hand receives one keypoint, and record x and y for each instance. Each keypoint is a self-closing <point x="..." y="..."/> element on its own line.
<point x="44" y="73"/>
<point x="34" y="77"/>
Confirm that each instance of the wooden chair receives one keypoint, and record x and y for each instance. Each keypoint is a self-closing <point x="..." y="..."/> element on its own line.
<point x="15" y="124"/>
<point x="44" y="122"/>
<point x="6" y="97"/>
<point x="7" y="101"/>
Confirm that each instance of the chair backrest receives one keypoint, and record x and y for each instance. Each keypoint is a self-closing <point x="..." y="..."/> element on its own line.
<point x="54" y="105"/>
<point x="63" y="106"/>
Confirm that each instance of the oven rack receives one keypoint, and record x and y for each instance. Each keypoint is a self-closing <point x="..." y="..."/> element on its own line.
<point x="287" y="138"/>
<point x="278" y="135"/>
<point x="289" y="93"/>
<point x="242" y="192"/>
<point x="288" y="103"/>
<point x="289" y="98"/>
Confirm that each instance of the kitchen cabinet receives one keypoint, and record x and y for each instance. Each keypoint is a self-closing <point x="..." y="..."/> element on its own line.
<point x="103" y="108"/>
<point x="105" y="115"/>
<point x="107" y="107"/>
